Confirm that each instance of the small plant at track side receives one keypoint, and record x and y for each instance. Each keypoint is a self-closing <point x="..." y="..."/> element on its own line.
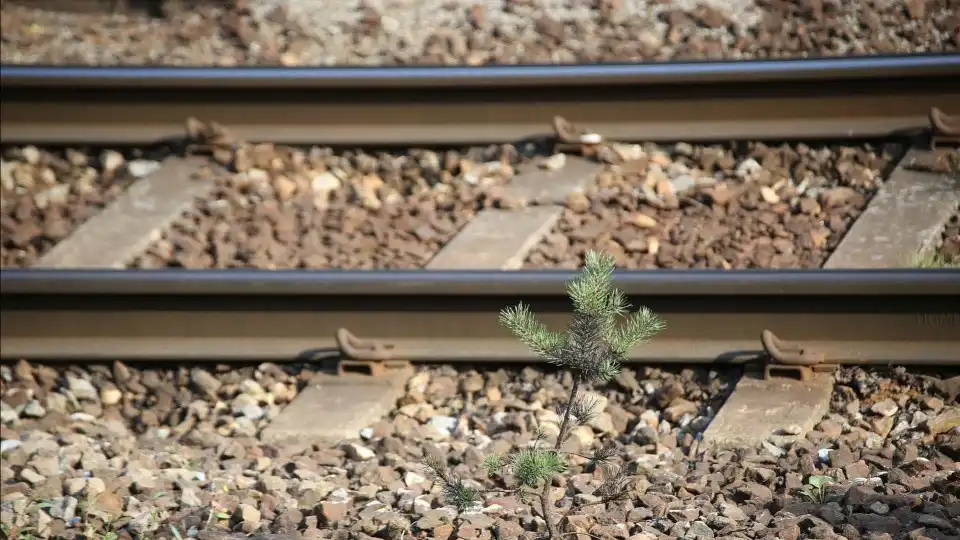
<point x="815" y="489"/>
<point x="935" y="260"/>
<point x="600" y="334"/>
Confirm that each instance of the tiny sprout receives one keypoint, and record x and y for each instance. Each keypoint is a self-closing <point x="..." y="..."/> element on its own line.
<point x="600" y="334"/>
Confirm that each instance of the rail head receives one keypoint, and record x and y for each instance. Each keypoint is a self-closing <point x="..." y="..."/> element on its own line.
<point x="864" y="68"/>
<point x="690" y="283"/>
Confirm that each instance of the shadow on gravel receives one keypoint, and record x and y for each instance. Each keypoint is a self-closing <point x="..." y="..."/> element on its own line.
<point x="856" y="508"/>
<point x="151" y="8"/>
<point x="193" y="524"/>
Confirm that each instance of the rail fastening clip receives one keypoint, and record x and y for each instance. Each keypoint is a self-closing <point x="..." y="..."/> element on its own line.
<point x="366" y="356"/>
<point x="785" y="356"/>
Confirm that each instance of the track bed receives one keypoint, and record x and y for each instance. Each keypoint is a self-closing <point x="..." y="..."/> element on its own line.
<point x="319" y="208"/>
<point x="89" y="451"/>
<point x="744" y="206"/>
<point x="46" y="195"/>
<point x="753" y="207"/>
<point x="215" y="201"/>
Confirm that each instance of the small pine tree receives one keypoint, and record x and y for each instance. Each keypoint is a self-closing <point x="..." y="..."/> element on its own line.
<point x="592" y="349"/>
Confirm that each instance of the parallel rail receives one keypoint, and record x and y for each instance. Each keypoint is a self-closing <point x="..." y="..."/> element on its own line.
<point x="696" y="101"/>
<point x="895" y="317"/>
<point x="889" y="317"/>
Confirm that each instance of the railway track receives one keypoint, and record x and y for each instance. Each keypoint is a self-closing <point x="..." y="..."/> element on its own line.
<point x="694" y="101"/>
<point x="195" y="316"/>
<point x="831" y="97"/>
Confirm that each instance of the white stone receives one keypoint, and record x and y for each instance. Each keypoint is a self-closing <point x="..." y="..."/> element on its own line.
<point x="8" y="445"/>
<point x="359" y="452"/>
<point x="411" y="479"/>
<point x="444" y="423"/>
<point x="139" y="168"/>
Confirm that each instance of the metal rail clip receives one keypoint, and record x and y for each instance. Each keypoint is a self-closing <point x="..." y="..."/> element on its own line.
<point x="944" y="128"/>
<point x="575" y="139"/>
<point x="791" y="357"/>
<point x="367" y="356"/>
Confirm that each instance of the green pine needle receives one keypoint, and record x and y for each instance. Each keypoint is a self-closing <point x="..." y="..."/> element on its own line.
<point x="531" y="466"/>
<point x="493" y="464"/>
<point x="594" y="344"/>
<point x="602" y="455"/>
<point x="458" y="495"/>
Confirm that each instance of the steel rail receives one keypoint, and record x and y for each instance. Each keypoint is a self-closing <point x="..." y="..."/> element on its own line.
<point x="889" y="317"/>
<point x="502" y="76"/>
<point x="819" y="98"/>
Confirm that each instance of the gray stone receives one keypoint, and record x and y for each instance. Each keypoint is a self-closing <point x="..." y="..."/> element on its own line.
<point x="699" y="531"/>
<point x="82" y="388"/>
<point x="33" y="409"/>
<point x="885" y="408"/>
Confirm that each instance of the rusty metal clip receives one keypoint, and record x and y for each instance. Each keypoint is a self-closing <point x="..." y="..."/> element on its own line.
<point x="791" y="357"/>
<point x="367" y="356"/>
<point x="574" y="139"/>
<point x="945" y="128"/>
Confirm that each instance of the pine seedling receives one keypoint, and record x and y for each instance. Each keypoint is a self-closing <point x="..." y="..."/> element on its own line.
<point x="600" y="334"/>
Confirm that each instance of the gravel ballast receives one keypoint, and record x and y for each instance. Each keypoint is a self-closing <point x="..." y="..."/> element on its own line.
<point x="749" y="205"/>
<point x="454" y="32"/>
<point x="284" y="207"/>
<point x="949" y="251"/>
<point x="167" y="453"/>
<point x="743" y="205"/>
<point x="47" y="193"/>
